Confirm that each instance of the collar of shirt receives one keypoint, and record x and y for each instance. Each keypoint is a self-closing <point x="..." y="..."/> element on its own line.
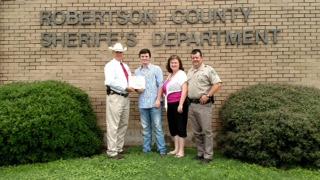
<point x="198" y="69"/>
<point x="116" y="61"/>
<point x="145" y="67"/>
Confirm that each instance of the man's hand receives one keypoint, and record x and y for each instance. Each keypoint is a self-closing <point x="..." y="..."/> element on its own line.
<point x="139" y="90"/>
<point x="157" y="104"/>
<point x="130" y="89"/>
<point x="204" y="99"/>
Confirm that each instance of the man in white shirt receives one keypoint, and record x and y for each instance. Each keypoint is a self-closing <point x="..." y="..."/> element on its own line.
<point x="117" y="102"/>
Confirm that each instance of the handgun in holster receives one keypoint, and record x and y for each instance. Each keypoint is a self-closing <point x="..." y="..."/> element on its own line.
<point x="108" y="89"/>
<point x="212" y="99"/>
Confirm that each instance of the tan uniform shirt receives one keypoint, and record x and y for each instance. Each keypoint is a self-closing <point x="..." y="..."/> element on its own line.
<point x="201" y="80"/>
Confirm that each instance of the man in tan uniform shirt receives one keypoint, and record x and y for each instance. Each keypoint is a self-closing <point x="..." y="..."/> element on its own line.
<point x="203" y="83"/>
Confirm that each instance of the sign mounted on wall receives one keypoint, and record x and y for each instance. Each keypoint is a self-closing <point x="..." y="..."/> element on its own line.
<point x="148" y="17"/>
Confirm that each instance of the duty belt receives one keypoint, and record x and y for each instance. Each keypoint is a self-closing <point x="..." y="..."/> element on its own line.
<point x="109" y="92"/>
<point x="197" y="101"/>
<point x="121" y="94"/>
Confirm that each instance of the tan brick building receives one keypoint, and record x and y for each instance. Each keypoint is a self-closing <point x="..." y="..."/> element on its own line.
<point x="246" y="41"/>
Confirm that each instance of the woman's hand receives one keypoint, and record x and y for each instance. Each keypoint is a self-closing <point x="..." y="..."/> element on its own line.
<point x="180" y="108"/>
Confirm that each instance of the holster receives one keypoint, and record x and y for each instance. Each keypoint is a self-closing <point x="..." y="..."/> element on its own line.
<point x="212" y="99"/>
<point x="108" y="89"/>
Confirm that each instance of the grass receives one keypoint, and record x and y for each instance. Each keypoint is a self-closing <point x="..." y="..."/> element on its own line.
<point x="137" y="165"/>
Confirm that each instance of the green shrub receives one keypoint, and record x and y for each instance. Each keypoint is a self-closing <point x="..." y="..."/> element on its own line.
<point x="273" y="125"/>
<point x="45" y="121"/>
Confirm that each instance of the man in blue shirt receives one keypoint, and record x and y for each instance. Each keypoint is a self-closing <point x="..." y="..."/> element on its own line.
<point x="149" y="103"/>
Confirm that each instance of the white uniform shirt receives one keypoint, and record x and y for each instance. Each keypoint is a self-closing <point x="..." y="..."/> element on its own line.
<point x="115" y="77"/>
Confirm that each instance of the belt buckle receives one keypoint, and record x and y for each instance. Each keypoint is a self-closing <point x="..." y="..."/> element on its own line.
<point x="195" y="101"/>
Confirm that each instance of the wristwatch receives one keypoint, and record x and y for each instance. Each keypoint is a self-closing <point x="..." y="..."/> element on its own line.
<point x="208" y="96"/>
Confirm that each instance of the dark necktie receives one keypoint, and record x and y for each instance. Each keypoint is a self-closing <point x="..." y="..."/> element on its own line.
<point x="125" y="71"/>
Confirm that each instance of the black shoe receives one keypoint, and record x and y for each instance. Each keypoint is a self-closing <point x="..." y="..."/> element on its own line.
<point x="122" y="152"/>
<point x="117" y="157"/>
<point x="199" y="158"/>
<point x="162" y="155"/>
<point x="206" y="161"/>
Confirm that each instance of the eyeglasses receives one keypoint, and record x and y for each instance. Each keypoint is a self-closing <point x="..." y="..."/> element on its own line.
<point x="119" y="52"/>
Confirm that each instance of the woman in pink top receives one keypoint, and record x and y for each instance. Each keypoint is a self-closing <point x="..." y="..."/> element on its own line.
<point x="175" y="91"/>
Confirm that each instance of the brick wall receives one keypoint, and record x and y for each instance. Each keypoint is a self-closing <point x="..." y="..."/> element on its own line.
<point x="294" y="58"/>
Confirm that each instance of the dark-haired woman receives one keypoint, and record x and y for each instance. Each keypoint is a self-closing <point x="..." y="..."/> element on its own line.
<point x="175" y="91"/>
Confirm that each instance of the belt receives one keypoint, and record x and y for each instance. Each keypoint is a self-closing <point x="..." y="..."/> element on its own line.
<point x="197" y="101"/>
<point x="121" y="94"/>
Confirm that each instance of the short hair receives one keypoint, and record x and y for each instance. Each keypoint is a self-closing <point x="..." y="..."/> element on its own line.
<point x="145" y="51"/>
<point x="195" y="51"/>
<point x="172" y="58"/>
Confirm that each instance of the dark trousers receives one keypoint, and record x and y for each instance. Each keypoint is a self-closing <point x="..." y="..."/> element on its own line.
<point x="177" y="121"/>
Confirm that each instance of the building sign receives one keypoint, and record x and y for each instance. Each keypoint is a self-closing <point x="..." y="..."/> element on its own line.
<point x="248" y="36"/>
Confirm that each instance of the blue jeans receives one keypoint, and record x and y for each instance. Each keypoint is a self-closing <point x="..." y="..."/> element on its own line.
<point x="151" y="122"/>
